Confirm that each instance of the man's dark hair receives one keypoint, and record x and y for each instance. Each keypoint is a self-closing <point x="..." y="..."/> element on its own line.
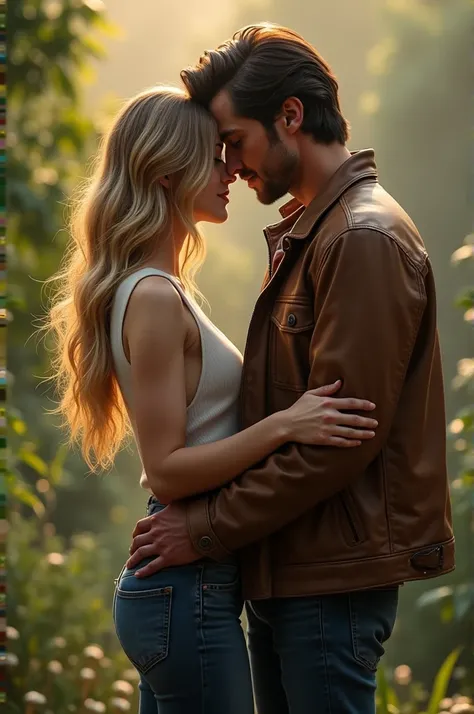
<point x="263" y="65"/>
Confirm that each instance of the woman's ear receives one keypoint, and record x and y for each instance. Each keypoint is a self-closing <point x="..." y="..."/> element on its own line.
<point x="165" y="181"/>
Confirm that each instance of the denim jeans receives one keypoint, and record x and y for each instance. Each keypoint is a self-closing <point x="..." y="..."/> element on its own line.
<point x="181" y="629"/>
<point x="319" y="655"/>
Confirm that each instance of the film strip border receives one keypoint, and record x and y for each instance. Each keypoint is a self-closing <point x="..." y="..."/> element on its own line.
<point x="3" y="371"/>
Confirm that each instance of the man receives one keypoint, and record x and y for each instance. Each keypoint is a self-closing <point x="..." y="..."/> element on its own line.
<point x="325" y="536"/>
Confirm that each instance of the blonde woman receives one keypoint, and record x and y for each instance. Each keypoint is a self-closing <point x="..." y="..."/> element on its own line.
<point x="136" y="354"/>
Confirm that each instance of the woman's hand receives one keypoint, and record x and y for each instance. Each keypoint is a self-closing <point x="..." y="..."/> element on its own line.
<point x="318" y="418"/>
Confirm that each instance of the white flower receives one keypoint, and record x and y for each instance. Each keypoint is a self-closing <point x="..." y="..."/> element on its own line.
<point x="402" y="674"/>
<point x="93" y="652"/>
<point x="122" y="687"/>
<point x="34" y="698"/>
<point x="55" y="559"/>
<point x="59" y="642"/>
<point x="11" y="659"/>
<point x="93" y="706"/>
<point x="87" y="673"/>
<point x="120" y="704"/>
<point x="105" y="662"/>
<point x="55" y="667"/>
<point x="12" y="633"/>
<point x="462" y="708"/>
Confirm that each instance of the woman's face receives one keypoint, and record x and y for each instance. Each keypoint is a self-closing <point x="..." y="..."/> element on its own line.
<point x="211" y="203"/>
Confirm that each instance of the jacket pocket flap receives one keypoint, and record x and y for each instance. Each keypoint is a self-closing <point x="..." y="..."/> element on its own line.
<point x="293" y="317"/>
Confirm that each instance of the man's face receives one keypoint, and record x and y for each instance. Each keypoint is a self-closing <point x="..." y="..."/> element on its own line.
<point x="269" y="164"/>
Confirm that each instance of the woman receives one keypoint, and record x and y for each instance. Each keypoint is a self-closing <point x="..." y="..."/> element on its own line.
<point x="136" y="353"/>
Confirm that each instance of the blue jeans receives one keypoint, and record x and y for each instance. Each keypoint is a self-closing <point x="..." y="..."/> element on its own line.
<point x="319" y="655"/>
<point x="181" y="629"/>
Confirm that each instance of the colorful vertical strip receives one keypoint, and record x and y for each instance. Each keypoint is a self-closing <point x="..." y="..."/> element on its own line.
<point x="3" y="366"/>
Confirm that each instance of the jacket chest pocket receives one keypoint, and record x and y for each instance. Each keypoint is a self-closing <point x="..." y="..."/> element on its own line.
<point x="291" y="332"/>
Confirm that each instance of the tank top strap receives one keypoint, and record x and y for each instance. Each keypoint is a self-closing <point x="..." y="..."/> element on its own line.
<point x="122" y="298"/>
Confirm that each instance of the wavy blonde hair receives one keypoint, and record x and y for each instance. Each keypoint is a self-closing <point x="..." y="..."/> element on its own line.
<point x="117" y="218"/>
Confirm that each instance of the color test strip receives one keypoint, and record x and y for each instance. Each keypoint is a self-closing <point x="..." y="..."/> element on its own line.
<point x="3" y="372"/>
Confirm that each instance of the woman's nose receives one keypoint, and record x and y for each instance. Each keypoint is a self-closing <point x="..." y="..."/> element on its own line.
<point x="229" y="178"/>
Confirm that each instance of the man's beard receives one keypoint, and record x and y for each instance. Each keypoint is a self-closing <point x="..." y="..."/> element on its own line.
<point x="278" y="174"/>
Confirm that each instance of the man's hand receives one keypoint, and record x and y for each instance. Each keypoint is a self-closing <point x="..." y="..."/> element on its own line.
<point x="164" y="534"/>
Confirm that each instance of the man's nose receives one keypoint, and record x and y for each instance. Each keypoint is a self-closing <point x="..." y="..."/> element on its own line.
<point x="233" y="165"/>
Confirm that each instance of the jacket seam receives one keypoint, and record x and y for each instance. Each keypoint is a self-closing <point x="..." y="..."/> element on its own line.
<point x="213" y="533"/>
<point x="387" y="505"/>
<point x="347" y="211"/>
<point x="374" y="229"/>
<point x="325" y="563"/>
<point x="330" y="204"/>
<point x="405" y="357"/>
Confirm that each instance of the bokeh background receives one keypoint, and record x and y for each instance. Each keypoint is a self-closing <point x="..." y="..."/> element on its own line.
<point x="406" y="80"/>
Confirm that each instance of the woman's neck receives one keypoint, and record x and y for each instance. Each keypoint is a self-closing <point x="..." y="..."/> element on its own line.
<point x="166" y="255"/>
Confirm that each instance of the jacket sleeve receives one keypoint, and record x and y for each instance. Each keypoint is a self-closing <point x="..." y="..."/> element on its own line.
<point x="369" y="299"/>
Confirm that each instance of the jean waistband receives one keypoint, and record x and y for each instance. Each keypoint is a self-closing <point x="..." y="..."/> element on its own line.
<point x="154" y="506"/>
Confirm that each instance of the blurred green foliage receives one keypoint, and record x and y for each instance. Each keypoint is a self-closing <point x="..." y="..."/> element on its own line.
<point x="60" y="643"/>
<point x="419" y="110"/>
<point x="51" y="48"/>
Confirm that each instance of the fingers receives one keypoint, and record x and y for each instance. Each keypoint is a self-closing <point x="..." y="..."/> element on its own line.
<point x="357" y="434"/>
<point x="140" y="540"/>
<point x="351" y="403"/>
<point x="145" y="551"/>
<point x="150" y="568"/>
<point x="326" y="389"/>
<point x="143" y="526"/>
<point x="354" y="420"/>
<point x="343" y="443"/>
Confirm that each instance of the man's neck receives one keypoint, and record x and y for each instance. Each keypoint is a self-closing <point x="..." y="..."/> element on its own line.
<point x="318" y="164"/>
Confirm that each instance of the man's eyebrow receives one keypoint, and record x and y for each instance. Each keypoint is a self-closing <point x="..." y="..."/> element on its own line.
<point x="225" y="134"/>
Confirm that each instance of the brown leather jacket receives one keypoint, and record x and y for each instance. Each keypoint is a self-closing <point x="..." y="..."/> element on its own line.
<point x="353" y="298"/>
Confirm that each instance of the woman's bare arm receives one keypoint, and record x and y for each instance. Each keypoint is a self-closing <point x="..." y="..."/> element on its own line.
<point x="155" y="331"/>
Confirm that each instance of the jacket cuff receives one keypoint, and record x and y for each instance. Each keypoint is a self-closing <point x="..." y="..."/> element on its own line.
<point x="203" y="537"/>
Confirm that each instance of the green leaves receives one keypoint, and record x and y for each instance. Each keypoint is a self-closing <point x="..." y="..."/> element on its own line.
<point x="442" y="681"/>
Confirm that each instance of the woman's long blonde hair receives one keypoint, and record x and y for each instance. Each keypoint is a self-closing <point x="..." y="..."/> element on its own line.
<point x="117" y="219"/>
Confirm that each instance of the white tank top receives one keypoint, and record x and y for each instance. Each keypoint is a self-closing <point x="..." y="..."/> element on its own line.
<point x="214" y="411"/>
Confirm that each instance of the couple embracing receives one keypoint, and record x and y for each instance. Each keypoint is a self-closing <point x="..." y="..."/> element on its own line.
<point x="306" y="478"/>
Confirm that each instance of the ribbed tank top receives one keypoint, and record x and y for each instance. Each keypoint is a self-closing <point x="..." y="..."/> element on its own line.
<point x="214" y="411"/>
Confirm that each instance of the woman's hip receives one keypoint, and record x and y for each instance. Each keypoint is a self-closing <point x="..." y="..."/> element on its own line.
<point x="181" y="629"/>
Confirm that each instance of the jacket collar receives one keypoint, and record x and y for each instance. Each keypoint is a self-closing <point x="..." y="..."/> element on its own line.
<point x="300" y="221"/>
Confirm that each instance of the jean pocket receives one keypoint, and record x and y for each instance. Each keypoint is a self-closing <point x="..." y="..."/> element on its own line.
<point x="142" y="622"/>
<point x="221" y="576"/>
<point x="372" y="614"/>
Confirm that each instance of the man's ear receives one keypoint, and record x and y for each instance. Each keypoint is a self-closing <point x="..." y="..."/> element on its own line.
<point x="165" y="181"/>
<point x="293" y="114"/>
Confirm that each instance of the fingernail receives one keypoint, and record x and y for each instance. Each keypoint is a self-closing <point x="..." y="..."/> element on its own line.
<point x="372" y="405"/>
<point x="137" y="573"/>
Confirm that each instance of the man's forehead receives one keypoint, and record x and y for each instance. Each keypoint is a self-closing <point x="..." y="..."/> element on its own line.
<point x="223" y="112"/>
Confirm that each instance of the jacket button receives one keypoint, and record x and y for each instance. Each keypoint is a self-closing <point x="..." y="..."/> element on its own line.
<point x="291" y="320"/>
<point x="205" y="542"/>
